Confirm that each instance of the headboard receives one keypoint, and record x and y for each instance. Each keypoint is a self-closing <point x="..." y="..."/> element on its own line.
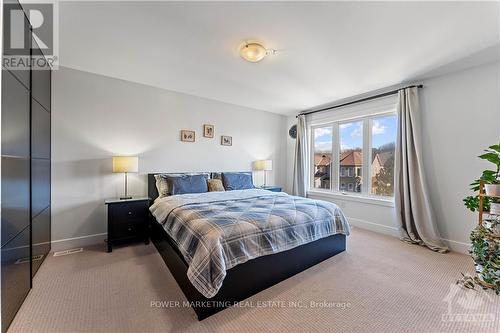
<point x="153" y="191"/>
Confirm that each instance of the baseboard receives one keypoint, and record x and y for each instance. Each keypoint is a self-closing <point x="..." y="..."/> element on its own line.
<point x="455" y="246"/>
<point x="380" y="228"/>
<point x="69" y="243"/>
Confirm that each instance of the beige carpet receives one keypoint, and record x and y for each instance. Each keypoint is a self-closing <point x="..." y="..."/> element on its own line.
<point x="379" y="285"/>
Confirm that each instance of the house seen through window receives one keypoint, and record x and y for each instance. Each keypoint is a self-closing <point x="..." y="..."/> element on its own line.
<point x="322" y="156"/>
<point x="364" y="156"/>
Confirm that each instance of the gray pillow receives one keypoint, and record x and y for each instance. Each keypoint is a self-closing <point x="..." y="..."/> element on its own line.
<point x="216" y="175"/>
<point x="161" y="185"/>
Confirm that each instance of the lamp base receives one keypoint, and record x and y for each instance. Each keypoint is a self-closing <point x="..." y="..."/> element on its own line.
<point x="125" y="198"/>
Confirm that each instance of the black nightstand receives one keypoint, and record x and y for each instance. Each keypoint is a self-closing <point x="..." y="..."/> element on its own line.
<point x="272" y="188"/>
<point x="127" y="220"/>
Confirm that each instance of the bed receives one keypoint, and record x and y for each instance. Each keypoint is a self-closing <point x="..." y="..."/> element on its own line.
<point x="224" y="271"/>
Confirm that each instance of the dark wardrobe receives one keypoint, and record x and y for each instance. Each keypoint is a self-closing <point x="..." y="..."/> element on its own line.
<point x="25" y="175"/>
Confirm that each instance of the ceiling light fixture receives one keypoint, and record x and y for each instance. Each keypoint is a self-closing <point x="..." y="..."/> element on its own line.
<point x="254" y="52"/>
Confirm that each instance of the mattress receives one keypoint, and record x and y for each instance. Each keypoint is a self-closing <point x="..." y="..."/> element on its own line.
<point x="215" y="231"/>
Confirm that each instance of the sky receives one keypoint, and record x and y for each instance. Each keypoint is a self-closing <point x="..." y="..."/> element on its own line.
<point x="351" y="134"/>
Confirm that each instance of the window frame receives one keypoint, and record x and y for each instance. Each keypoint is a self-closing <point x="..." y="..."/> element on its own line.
<point x="310" y="130"/>
<point x="366" y="113"/>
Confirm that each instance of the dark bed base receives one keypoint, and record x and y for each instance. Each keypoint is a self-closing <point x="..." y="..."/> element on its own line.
<point x="247" y="279"/>
<point x="244" y="280"/>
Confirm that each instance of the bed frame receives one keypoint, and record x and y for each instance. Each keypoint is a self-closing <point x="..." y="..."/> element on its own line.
<point x="244" y="280"/>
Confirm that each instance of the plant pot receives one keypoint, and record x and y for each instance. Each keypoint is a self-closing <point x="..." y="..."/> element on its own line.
<point x="492" y="189"/>
<point x="495" y="208"/>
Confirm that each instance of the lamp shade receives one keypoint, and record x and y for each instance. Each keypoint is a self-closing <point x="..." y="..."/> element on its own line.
<point x="265" y="165"/>
<point x="125" y="164"/>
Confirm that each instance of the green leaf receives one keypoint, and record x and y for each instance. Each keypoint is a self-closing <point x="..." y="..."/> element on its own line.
<point x="491" y="157"/>
<point x="495" y="147"/>
<point x="488" y="178"/>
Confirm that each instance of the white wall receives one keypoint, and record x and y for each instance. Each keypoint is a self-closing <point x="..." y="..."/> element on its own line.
<point x="95" y="117"/>
<point x="460" y="118"/>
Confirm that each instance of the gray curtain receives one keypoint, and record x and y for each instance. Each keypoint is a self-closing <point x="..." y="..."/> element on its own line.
<point x="301" y="165"/>
<point x="413" y="208"/>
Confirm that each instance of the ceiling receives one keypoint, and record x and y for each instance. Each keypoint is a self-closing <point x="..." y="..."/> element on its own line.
<point x="326" y="50"/>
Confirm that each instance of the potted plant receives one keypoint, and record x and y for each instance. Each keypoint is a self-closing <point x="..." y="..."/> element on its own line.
<point x="485" y="252"/>
<point x="493" y="155"/>
<point x="491" y="179"/>
<point x="485" y="238"/>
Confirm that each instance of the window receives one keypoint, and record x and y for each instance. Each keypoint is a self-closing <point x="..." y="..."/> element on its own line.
<point x="322" y="158"/>
<point x="353" y="150"/>
<point x="351" y="153"/>
<point x="383" y="147"/>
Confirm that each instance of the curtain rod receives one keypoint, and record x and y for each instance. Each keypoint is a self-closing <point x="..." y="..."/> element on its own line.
<point x="388" y="93"/>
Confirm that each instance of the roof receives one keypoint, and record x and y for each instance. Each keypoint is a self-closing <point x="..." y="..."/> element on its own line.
<point x="348" y="158"/>
<point x="322" y="159"/>
<point x="351" y="158"/>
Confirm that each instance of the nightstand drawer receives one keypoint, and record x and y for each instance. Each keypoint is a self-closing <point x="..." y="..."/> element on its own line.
<point x="127" y="229"/>
<point x="129" y="211"/>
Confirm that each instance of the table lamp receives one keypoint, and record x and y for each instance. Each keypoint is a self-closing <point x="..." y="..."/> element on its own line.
<point x="263" y="165"/>
<point x="125" y="164"/>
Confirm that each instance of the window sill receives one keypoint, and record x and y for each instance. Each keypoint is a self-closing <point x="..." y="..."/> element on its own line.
<point x="386" y="202"/>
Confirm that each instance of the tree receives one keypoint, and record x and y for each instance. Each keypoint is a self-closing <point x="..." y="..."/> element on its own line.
<point x="384" y="180"/>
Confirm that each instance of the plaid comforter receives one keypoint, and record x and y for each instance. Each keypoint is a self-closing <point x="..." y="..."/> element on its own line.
<point x="216" y="231"/>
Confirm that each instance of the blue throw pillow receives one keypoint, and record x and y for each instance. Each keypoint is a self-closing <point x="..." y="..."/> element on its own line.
<point x="237" y="180"/>
<point x="187" y="184"/>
